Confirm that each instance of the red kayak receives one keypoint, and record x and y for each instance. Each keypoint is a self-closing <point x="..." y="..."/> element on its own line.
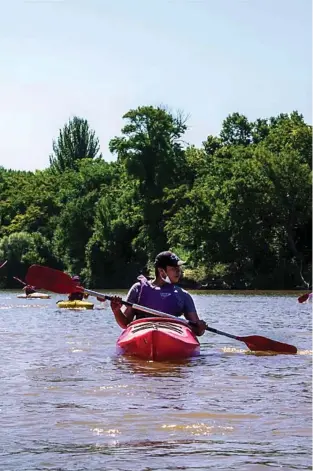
<point x="158" y="339"/>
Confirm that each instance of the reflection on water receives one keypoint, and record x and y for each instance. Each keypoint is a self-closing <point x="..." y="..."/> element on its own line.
<point x="151" y="368"/>
<point x="69" y="402"/>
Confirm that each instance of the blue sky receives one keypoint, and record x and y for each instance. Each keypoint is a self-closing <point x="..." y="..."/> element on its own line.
<point x="99" y="58"/>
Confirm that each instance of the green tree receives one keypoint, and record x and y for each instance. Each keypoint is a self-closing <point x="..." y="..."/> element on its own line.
<point x="76" y="141"/>
<point x="252" y="214"/>
<point x="152" y="152"/>
<point x="79" y="192"/>
<point x="114" y="256"/>
<point x="236" y="130"/>
<point x="290" y="189"/>
<point x="28" y="202"/>
<point x="290" y="133"/>
<point x="22" y="249"/>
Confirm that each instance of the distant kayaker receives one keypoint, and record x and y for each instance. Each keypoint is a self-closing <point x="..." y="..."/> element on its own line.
<point x="77" y="295"/>
<point x="161" y="294"/>
<point x="29" y="289"/>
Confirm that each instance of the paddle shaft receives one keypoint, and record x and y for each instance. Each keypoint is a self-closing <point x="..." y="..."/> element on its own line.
<point x="16" y="278"/>
<point x="220" y="332"/>
<point x="154" y="312"/>
<point x="138" y="307"/>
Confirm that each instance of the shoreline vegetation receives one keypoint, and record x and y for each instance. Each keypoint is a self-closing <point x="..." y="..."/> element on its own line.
<point x="238" y="208"/>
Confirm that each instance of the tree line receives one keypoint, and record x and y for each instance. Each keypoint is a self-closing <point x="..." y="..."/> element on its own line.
<point x="238" y="208"/>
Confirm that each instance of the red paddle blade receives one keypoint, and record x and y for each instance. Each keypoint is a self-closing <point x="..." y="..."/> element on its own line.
<point x="303" y="298"/>
<point x="257" y="343"/>
<point x="50" y="279"/>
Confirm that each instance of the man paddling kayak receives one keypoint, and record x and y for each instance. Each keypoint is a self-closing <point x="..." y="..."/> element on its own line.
<point x="29" y="289"/>
<point x="161" y="294"/>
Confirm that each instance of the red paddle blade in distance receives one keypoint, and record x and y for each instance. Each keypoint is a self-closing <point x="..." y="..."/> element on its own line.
<point x="303" y="298"/>
<point x="50" y="279"/>
<point x="263" y="344"/>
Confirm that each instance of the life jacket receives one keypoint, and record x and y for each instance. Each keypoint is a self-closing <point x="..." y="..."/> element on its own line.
<point x="169" y="298"/>
<point x="76" y="296"/>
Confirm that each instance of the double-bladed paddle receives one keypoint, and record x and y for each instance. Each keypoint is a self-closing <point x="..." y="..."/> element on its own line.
<point x="3" y="264"/>
<point x="57" y="281"/>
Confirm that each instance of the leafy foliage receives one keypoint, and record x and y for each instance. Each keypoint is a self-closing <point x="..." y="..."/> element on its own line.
<point x="76" y="141"/>
<point x="238" y="209"/>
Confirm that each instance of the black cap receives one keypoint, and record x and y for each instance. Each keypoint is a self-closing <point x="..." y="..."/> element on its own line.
<point x="167" y="258"/>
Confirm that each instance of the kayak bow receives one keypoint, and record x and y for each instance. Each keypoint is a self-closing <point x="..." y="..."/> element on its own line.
<point x="158" y="339"/>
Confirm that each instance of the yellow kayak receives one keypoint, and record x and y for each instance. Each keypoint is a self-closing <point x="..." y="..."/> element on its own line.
<point x="34" y="296"/>
<point x="75" y="304"/>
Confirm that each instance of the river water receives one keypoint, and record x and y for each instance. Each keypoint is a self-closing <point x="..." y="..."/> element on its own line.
<point x="69" y="403"/>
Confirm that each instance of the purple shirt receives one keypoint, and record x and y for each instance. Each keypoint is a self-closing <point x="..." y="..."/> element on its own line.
<point x="168" y="298"/>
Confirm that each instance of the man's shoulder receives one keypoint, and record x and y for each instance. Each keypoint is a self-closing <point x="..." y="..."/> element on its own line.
<point x="181" y="290"/>
<point x="135" y="286"/>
